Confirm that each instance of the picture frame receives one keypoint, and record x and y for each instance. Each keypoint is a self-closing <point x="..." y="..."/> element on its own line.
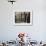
<point x="23" y="18"/>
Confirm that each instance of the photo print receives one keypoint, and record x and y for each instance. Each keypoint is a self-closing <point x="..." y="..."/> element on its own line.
<point x="23" y="18"/>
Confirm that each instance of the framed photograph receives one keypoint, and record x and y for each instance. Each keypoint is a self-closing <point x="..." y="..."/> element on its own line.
<point x="23" y="18"/>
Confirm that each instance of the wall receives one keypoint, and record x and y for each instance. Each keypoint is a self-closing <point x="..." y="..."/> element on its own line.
<point x="9" y="31"/>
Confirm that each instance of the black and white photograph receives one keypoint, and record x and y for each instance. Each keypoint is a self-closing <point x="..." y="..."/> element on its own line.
<point x="23" y="18"/>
